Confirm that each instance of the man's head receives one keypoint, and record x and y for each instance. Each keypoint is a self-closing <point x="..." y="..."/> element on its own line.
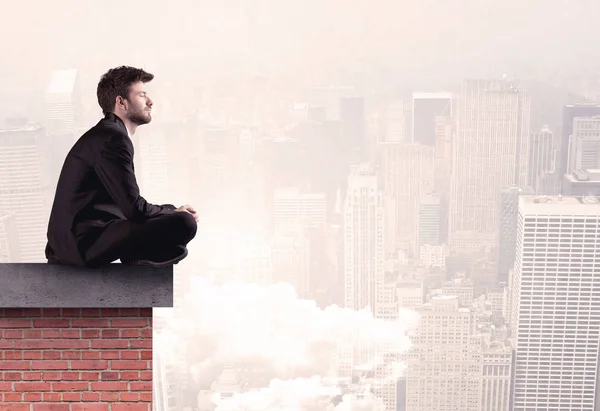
<point x="121" y="91"/>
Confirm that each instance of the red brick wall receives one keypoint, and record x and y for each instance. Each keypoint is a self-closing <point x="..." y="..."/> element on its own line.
<point x="65" y="359"/>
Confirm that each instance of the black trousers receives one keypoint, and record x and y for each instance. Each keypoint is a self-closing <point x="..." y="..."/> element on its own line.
<point x="126" y="240"/>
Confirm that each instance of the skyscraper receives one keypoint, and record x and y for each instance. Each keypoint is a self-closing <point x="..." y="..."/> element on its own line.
<point x="363" y="255"/>
<point x="24" y="187"/>
<point x="407" y="175"/>
<point x="490" y="153"/>
<point x="426" y="108"/>
<point x="569" y="113"/>
<point x="584" y="148"/>
<point x="542" y="176"/>
<point x="556" y="304"/>
<point x="507" y="230"/>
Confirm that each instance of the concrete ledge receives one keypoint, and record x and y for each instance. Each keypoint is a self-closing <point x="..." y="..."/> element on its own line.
<point x="117" y="285"/>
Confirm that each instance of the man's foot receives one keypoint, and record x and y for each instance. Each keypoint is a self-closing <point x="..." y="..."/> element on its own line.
<point x="169" y="256"/>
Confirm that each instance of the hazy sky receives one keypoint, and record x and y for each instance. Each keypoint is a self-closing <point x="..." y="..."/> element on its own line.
<point x="424" y="39"/>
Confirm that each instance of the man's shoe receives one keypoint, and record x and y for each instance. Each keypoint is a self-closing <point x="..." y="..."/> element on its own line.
<point x="171" y="255"/>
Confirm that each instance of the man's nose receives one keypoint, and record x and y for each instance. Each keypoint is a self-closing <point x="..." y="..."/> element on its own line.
<point x="150" y="103"/>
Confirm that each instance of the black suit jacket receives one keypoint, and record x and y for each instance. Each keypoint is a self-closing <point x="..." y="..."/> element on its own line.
<point x="97" y="184"/>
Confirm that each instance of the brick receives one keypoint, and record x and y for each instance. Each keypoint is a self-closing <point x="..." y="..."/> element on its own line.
<point x="146" y="376"/>
<point x="110" y="333"/>
<point x="50" y="407"/>
<point x="90" y="312"/>
<point x="66" y="334"/>
<point x="52" y="397"/>
<point x="89" y="365"/>
<point x="71" y="396"/>
<point x="32" y="355"/>
<point x="9" y="334"/>
<point x="130" y="323"/>
<point x="51" y="312"/>
<point x="110" y="312"/>
<point x="5" y="386"/>
<point x="90" y="355"/>
<point x="129" y="376"/>
<point x="71" y="355"/>
<point x="146" y="355"/>
<point x="32" y="344"/>
<point x="12" y="397"/>
<point x="37" y="386"/>
<point x="90" y="407"/>
<point x="32" y="334"/>
<point x="110" y="355"/>
<point x="50" y="333"/>
<point x="109" y="376"/>
<point x="130" y="407"/>
<point x="90" y="396"/>
<point x="146" y="396"/>
<point x="129" y="312"/>
<point x="109" y="386"/>
<point x="15" y="365"/>
<point x="32" y="312"/>
<point x="141" y="386"/>
<point x="13" y="376"/>
<point x="70" y="344"/>
<point x="15" y="323"/>
<point x="130" y="333"/>
<point x="90" y="323"/>
<point x="90" y="376"/>
<point x="90" y="334"/>
<point x="71" y="312"/>
<point x="12" y="312"/>
<point x="6" y="344"/>
<point x="146" y="312"/>
<point x="52" y="376"/>
<point x="69" y="376"/>
<point x="129" y="365"/>
<point x="32" y="376"/>
<point x="13" y="355"/>
<point x="51" y="355"/>
<point x="33" y="396"/>
<point x="49" y="365"/>
<point x="110" y="344"/>
<point x="109" y="396"/>
<point x="130" y="355"/>
<point x="14" y="407"/>
<point x="146" y="333"/>
<point x="141" y="344"/>
<point x="51" y="323"/>
<point x="70" y="386"/>
<point x="130" y="396"/>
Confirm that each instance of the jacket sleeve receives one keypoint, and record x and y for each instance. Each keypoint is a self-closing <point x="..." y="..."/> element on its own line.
<point x="114" y="167"/>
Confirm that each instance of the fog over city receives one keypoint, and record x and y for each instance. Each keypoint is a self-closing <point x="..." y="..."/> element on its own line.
<point x="398" y="200"/>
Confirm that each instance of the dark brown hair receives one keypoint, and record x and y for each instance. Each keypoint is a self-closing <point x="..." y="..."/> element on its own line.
<point x="116" y="82"/>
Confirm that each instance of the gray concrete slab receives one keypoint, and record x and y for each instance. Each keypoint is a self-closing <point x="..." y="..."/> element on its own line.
<point x="116" y="285"/>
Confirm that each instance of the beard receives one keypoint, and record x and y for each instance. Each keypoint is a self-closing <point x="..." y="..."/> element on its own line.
<point x="139" y="117"/>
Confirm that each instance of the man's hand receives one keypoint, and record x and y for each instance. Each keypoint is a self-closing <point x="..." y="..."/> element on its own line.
<point x="188" y="209"/>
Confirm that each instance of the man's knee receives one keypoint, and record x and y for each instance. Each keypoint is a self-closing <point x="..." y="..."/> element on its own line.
<point x="186" y="224"/>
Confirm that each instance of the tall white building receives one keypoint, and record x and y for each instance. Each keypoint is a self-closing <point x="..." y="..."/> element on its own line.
<point x="24" y="188"/>
<point x="407" y="175"/>
<point x="363" y="238"/>
<point x="490" y="153"/>
<point x="444" y="372"/>
<point x="9" y="239"/>
<point x="296" y="208"/>
<point x="395" y="122"/>
<point x="584" y="151"/>
<point x="555" y="312"/>
<point x="363" y="254"/>
<point x="64" y="110"/>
